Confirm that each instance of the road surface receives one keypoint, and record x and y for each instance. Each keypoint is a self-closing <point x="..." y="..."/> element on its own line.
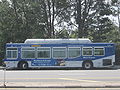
<point x="61" y="77"/>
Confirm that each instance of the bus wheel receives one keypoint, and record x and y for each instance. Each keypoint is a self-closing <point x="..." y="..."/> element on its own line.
<point x="23" y="65"/>
<point x="87" y="65"/>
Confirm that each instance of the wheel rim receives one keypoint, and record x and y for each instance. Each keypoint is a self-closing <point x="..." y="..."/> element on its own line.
<point x="24" y="66"/>
<point x="87" y="65"/>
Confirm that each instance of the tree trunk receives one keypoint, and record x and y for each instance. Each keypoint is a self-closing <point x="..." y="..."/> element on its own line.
<point x="79" y="19"/>
<point x="119" y="17"/>
<point x="53" y="16"/>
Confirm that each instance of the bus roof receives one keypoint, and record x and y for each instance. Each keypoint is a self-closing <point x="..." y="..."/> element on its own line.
<point x="57" y="41"/>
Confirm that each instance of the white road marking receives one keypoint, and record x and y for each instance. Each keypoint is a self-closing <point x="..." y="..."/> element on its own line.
<point x="79" y="80"/>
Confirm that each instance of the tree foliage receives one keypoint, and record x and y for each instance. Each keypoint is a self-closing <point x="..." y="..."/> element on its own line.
<point x="23" y="19"/>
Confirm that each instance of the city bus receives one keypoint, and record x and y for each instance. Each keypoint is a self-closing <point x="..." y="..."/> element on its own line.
<point x="59" y="53"/>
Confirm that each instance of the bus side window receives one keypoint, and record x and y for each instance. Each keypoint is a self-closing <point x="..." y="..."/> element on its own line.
<point x="74" y="52"/>
<point x="87" y="51"/>
<point x="59" y="52"/>
<point x="28" y="53"/>
<point x="43" y="53"/>
<point x="11" y="53"/>
<point x="99" y="51"/>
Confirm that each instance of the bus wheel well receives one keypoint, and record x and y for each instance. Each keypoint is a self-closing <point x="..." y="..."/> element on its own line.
<point x="23" y="65"/>
<point x="87" y="64"/>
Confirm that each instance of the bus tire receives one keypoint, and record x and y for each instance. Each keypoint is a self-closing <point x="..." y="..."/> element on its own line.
<point x="87" y="65"/>
<point x="23" y="65"/>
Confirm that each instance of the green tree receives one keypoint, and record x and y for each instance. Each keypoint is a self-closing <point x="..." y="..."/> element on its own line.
<point x="55" y="13"/>
<point x="115" y="5"/>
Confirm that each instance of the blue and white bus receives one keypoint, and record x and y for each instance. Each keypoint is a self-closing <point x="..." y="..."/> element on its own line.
<point x="59" y="53"/>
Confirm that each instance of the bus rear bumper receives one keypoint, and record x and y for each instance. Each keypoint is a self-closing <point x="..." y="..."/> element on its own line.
<point x="116" y="67"/>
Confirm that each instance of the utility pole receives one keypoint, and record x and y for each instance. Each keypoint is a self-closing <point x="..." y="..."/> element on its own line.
<point x="4" y="76"/>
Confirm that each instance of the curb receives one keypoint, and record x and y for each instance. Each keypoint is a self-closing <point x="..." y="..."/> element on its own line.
<point x="59" y="86"/>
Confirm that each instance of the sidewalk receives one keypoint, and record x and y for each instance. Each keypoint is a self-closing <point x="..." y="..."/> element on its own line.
<point x="61" y="85"/>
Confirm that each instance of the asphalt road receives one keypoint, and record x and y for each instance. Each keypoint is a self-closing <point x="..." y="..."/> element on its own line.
<point x="61" y="76"/>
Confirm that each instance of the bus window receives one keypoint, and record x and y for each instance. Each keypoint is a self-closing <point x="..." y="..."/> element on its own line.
<point x="28" y="53"/>
<point x="43" y="53"/>
<point x="11" y="53"/>
<point x="87" y="51"/>
<point x="59" y="53"/>
<point x="98" y="51"/>
<point x="73" y="52"/>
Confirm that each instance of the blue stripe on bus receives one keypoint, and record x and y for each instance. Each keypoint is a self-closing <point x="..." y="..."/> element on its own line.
<point x="82" y="58"/>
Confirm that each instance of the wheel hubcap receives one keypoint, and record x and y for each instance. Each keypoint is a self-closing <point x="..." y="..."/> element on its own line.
<point x="24" y="66"/>
<point x="87" y="65"/>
